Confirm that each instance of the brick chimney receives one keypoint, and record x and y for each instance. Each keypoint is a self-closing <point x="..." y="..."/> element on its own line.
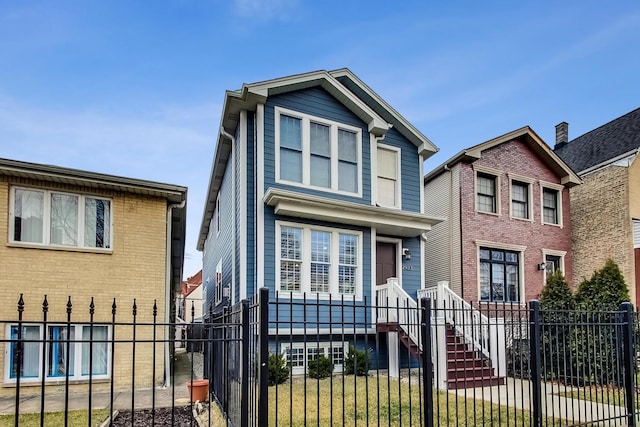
<point x="562" y="134"/>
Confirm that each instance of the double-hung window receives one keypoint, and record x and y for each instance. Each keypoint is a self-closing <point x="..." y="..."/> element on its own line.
<point x="318" y="153"/>
<point x="319" y="260"/>
<point x="486" y="189"/>
<point x="499" y="275"/>
<point x="520" y="200"/>
<point x="551" y="206"/>
<point x="218" y="284"/>
<point x="52" y="218"/>
<point x="388" y="176"/>
<point x="75" y="351"/>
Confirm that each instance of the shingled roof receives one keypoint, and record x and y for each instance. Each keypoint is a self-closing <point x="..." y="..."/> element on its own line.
<point x="609" y="142"/>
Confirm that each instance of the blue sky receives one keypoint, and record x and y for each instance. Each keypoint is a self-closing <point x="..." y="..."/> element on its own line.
<point x="135" y="88"/>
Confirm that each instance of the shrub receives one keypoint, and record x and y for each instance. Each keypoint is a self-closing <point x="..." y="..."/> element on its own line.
<point x="556" y="294"/>
<point x="320" y="367"/>
<point x="606" y="289"/>
<point x="278" y="370"/>
<point x="357" y="362"/>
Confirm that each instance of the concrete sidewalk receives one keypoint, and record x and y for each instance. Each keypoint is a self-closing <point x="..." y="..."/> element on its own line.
<point x="516" y="394"/>
<point x="176" y="395"/>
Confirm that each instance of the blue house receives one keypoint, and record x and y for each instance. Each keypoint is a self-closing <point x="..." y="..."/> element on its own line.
<point x="316" y="190"/>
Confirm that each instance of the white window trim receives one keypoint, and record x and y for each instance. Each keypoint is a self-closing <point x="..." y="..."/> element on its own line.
<point x="306" y="151"/>
<point x="505" y="247"/>
<point x="398" y="151"/>
<point x="489" y="171"/>
<point x="325" y="345"/>
<point x="551" y="186"/>
<point x="46" y="220"/>
<point x="305" y="272"/>
<point x="218" y="283"/>
<point x="529" y="182"/>
<point x="77" y="377"/>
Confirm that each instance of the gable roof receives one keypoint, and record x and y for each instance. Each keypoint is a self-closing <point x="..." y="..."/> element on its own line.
<point x="605" y="144"/>
<point x="524" y="134"/>
<point x="174" y="194"/>
<point x="341" y="84"/>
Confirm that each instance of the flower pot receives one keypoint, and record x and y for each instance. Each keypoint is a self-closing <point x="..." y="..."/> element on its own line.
<point x="198" y="390"/>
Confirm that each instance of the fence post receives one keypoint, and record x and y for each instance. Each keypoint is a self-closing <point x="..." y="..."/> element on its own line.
<point x="245" y="374"/>
<point x="427" y="361"/>
<point x="629" y="386"/>
<point x="534" y="351"/>
<point x="263" y="397"/>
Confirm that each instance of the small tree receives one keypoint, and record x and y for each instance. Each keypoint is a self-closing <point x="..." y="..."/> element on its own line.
<point x="606" y="289"/>
<point x="556" y="305"/>
<point x="278" y="370"/>
<point x="600" y="297"/>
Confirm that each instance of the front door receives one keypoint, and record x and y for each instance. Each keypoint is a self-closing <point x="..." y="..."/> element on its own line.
<point x="385" y="262"/>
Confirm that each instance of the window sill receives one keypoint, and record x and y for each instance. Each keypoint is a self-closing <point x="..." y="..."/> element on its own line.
<point x="522" y="219"/>
<point x="488" y="213"/>
<point x="59" y="248"/>
<point x="38" y="382"/>
<point x="552" y="224"/>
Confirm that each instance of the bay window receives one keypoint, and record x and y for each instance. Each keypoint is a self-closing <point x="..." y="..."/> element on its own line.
<point x="53" y="218"/>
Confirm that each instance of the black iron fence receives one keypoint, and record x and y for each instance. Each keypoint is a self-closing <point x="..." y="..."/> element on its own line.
<point x="290" y="362"/>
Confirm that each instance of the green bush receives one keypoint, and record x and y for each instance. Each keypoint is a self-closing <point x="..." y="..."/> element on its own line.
<point x="357" y="362"/>
<point x="606" y="289"/>
<point x="278" y="369"/>
<point x="320" y="367"/>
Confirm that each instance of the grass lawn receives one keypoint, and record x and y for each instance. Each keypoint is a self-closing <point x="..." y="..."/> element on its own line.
<point x="396" y="405"/>
<point x="75" y="418"/>
<point x="607" y="395"/>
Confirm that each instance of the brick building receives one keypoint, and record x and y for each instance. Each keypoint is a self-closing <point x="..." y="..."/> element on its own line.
<point x="506" y="204"/>
<point x="605" y="210"/>
<point x="74" y="235"/>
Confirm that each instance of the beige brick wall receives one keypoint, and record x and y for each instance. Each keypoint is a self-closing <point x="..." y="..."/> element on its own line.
<point x="634" y="189"/>
<point x="601" y="224"/>
<point x="135" y="268"/>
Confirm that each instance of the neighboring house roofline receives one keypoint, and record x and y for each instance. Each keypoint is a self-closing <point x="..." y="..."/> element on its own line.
<point x="631" y="155"/>
<point x="567" y="176"/>
<point x="174" y="194"/>
<point x="252" y="94"/>
<point x="603" y="145"/>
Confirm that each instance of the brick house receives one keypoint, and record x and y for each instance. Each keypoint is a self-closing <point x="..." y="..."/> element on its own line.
<point x="605" y="210"/>
<point x="506" y="204"/>
<point x="74" y="234"/>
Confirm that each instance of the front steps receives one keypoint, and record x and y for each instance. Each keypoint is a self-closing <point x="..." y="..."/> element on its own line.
<point x="466" y="368"/>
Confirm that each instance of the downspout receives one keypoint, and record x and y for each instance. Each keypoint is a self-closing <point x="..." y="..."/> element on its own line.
<point x="167" y="297"/>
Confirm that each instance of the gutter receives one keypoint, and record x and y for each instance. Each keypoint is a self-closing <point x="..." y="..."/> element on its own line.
<point x="167" y="297"/>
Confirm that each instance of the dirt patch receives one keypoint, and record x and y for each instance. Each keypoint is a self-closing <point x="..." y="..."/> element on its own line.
<point x="162" y="417"/>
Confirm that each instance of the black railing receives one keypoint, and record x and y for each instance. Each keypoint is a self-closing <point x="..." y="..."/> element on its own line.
<point x="329" y="362"/>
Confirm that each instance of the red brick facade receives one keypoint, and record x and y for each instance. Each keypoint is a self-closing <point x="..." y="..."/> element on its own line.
<point x="512" y="160"/>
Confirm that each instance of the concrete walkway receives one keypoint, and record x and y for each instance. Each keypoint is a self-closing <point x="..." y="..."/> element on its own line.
<point x="164" y="397"/>
<point x="516" y="393"/>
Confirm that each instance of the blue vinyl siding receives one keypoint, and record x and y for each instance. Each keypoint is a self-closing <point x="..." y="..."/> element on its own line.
<point x="251" y="207"/>
<point x="411" y="269"/>
<point x="316" y="102"/>
<point x="219" y="247"/>
<point x="237" y="215"/>
<point x="409" y="170"/>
